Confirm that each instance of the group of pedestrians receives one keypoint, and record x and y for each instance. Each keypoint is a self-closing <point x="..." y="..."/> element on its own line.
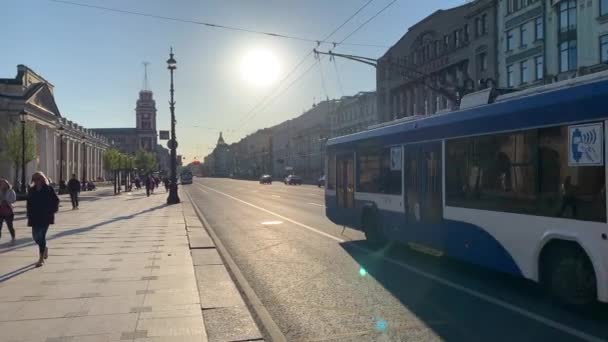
<point x="42" y="204"/>
<point x="150" y="183"/>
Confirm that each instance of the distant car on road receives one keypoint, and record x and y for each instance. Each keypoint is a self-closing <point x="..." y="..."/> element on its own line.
<point x="321" y="181"/>
<point x="266" y="179"/>
<point x="186" y="177"/>
<point x="293" y="180"/>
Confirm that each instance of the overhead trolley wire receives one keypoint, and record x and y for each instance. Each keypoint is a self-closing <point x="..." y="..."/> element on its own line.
<point x="211" y="25"/>
<point x="252" y="112"/>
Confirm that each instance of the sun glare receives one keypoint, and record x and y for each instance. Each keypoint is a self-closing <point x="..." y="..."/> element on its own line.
<point x="259" y="67"/>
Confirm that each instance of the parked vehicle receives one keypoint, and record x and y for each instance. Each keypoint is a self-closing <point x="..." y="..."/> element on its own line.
<point x="293" y="180"/>
<point x="321" y="181"/>
<point x="266" y="179"/>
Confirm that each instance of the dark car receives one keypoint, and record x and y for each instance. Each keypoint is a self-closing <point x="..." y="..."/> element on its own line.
<point x="321" y="181"/>
<point x="293" y="180"/>
<point x="266" y="179"/>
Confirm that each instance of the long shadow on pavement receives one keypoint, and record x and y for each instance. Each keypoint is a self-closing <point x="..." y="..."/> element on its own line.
<point x="465" y="317"/>
<point x="84" y="229"/>
<point x="19" y="271"/>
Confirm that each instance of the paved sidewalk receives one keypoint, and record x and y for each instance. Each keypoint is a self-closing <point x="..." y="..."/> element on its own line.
<point x="119" y="269"/>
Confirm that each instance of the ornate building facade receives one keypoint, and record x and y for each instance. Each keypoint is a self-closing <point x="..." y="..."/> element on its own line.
<point x="143" y="136"/>
<point x="63" y="147"/>
<point x="441" y="58"/>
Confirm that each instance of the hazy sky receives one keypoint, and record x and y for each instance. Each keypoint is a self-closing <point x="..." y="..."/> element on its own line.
<point x="94" y="58"/>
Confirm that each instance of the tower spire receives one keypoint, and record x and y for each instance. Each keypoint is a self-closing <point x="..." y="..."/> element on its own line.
<point x="145" y="83"/>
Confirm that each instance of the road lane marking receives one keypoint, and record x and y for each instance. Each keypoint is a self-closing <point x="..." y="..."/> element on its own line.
<point x="486" y="298"/>
<point x="317" y="204"/>
<point x="271" y="223"/>
<point x="275" y="214"/>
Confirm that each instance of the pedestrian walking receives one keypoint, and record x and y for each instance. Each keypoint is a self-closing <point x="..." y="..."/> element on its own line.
<point x="7" y="198"/>
<point x="166" y="182"/>
<point x="74" y="189"/>
<point x="137" y="183"/>
<point x="42" y="204"/>
<point x="150" y="184"/>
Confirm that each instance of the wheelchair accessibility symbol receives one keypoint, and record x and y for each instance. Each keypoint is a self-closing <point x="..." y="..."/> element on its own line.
<point x="586" y="144"/>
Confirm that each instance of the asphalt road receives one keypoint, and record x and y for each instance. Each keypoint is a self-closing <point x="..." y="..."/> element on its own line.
<point x="322" y="283"/>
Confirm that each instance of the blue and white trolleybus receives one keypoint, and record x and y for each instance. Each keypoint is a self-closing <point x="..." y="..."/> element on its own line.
<point x="517" y="185"/>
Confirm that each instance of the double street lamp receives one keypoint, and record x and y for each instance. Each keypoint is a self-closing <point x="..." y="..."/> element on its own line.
<point x="173" y="198"/>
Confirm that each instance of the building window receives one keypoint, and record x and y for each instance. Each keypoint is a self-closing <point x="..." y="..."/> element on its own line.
<point x="510" y="40"/>
<point x="603" y="7"/>
<point x="604" y="48"/>
<point x="523" y="36"/>
<point x="446" y="42"/>
<point x="567" y="15"/>
<point x="436" y="48"/>
<point x="466" y="32"/>
<point x="538" y="28"/>
<point x="524" y="72"/>
<point x="484" y="24"/>
<point x="483" y="61"/>
<point x="457" y="38"/>
<point x="478" y="27"/>
<point x="510" y="81"/>
<point x="567" y="56"/>
<point x="538" y="67"/>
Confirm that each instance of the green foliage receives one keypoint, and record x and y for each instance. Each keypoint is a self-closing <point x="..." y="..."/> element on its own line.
<point x="145" y="161"/>
<point x="111" y="159"/>
<point x="14" y="142"/>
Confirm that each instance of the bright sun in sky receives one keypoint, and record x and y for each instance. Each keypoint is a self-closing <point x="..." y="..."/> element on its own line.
<point x="259" y="67"/>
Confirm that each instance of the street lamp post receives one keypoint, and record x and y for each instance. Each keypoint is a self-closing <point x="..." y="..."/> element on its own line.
<point x="173" y="198"/>
<point x="22" y="116"/>
<point x="61" y="183"/>
<point x="84" y="162"/>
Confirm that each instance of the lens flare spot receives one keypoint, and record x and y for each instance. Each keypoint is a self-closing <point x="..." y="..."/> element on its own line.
<point x="362" y="272"/>
<point x="381" y="325"/>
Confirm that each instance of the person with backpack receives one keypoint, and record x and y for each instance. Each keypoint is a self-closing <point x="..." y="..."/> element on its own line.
<point x="7" y="198"/>
<point x="42" y="204"/>
<point x="74" y="189"/>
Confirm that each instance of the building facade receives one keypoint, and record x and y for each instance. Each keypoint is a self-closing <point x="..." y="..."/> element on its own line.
<point x="63" y="147"/>
<point x="446" y="55"/>
<point x="353" y="114"/>
<point x="143" y="136"/>
<point x="222" y="159"/>
<point x="298" y="145"/>
<point x="521" y="37"/>
<point x="543" y="41"/>
<point x="281" y="148"/>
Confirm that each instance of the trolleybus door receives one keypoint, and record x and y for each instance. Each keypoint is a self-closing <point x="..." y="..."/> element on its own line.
<point x="345" y="181"/>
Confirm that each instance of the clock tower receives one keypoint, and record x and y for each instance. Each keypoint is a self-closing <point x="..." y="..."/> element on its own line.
<point x="145" y="113"/>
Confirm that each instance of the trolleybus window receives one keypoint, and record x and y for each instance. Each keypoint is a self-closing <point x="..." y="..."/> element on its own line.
<point x="374" y="174"/>
<point x="524" y="172"/>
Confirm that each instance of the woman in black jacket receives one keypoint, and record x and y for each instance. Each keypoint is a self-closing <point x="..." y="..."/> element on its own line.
<point x="42" y="204"/>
